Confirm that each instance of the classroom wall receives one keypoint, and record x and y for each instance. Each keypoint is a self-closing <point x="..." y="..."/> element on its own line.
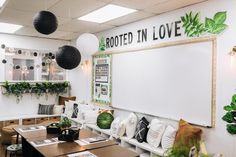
<point x="217" y="139"/>
<point x="29" y="104"/>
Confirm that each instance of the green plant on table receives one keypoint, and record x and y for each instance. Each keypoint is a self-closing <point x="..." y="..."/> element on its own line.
<point x="230" y="116"/>
<point x="65" y="123"/>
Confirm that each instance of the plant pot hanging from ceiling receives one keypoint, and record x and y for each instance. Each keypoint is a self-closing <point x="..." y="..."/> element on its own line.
<point x="45" y="22"/>
<point x="68" y="57"/>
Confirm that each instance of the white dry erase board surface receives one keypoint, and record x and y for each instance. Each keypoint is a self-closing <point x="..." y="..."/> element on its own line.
<point x="172" y="82"/>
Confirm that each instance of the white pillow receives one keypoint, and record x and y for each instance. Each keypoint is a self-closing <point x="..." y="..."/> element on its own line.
<point x="58" y="109"/>
<point x="118" y="127"/>
<point x="155" y="132"/>
<point x="90" y="116"/>
<point x="83" y="108"/>
<point x="131" y="124"/>
<point x="168" y="137"/>
<point x="69" y="107"/>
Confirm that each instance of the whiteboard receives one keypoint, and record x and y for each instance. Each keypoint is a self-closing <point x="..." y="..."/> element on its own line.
<point x="171" y="82"/>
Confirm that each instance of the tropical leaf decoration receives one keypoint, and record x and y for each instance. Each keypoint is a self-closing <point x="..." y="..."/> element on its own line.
<point x="216" y="25"/>
<point x="230" y="116"/>
<point x="194" y="27"/>
<point x="192" y="24"/>
<point x="102" y="45"/>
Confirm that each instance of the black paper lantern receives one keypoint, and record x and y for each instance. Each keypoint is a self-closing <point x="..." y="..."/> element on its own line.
<point x="31" y="67"/>
<point x="3" y="46"/>
<point x="45" y="22"/>
<point x="50" y="54"/>
<point x="68" y="57"/>
<point x="17" y="67"/>
<point x="53" y="57"/>
<point x="19" y="52"/>
<point x="43" y="64"/>
<point x="35" y="54"/>
<point x="4" y="61"/>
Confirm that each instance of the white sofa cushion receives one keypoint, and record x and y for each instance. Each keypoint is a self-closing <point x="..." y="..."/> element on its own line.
<point x="90" y="116"/>
<point x="155" y="132"/>
<point x="168" y="137"/>
<point x="118" y="127"/>
<point x="58" y="109"/>
<point x="69" y="107"/>
<point x="131" y="124"/>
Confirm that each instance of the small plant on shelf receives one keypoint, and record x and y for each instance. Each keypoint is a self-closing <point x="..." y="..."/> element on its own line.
<point x="230" y="116"/>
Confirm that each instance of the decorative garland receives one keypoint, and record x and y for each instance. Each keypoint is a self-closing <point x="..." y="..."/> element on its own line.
<point x="39" y="89"/>
<point x="230" y="116"/>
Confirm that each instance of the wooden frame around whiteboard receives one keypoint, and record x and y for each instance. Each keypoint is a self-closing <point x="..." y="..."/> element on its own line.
<point x="212" y="39"/>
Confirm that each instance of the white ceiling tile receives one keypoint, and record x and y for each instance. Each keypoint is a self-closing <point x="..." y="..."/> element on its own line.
<point x="56" y="34"/>
<point x="171" y="5"/>
<point x="100" y="28"/>
<point x="137" y="4"/>
<point x="72" y="36"/>
<point x="75" y="8"/>
<point x="29" y="31"/>
<point x="31" y="5"/>
<point x="130" y="18"/>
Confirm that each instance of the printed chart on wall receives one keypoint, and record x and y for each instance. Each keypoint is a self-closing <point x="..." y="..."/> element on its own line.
<point x="101" y="84"/>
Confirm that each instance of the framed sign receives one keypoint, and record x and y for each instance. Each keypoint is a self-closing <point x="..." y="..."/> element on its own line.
<point x="101" y="83"/>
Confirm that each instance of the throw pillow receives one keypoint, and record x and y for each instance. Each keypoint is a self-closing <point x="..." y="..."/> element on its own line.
<point x="45" y="109"/>
<point x="83" y="108"/>
<point x="58" y="109"/>
<point x="75" y="111"/>
<point x="63" y="99"/>
<point x="141" y="131"/>
<point x="118" y="128"/>
<point x="155" y="132"/>
<point x="187" y="135"/>
<point x="168" y="137"/>
<point x="90" y="116"/>
<point x="131" y="124"/>
<point x="69" y="107"/>
<point x="105" y="110"/>
<point x="104" y="120"/>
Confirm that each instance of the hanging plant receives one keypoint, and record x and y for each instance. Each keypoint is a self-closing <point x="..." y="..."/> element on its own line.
<point x="230" y="116"/>
<point x="39" y="89"/>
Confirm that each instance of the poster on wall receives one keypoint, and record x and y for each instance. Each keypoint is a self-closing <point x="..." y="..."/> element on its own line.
<point x="101" y="84"/>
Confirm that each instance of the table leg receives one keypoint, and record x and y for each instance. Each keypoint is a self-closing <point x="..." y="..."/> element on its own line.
<point x="17" y="138"/>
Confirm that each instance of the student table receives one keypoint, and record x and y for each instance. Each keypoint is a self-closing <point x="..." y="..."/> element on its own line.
<point x="60" y="149"/>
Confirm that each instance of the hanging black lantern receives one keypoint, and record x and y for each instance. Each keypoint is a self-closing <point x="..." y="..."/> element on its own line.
<point x="35" y="54"/>
<point x="50" y="54"/>
<point x="53" y="57"/>
<point x="31" y="67"/>
<point x="4" y="61"/>
<point x="45" y="22"/>
<point x="3" y="46"/>
<point x="43" y="64"/>
<point x="17" y="67"/>
<point x="68" y="57"/>
<point x="19" y="52"/>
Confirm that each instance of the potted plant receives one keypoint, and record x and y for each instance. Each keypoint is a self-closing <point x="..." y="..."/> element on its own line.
<point x="65" y="123"/>
<point x="230" y="116"/>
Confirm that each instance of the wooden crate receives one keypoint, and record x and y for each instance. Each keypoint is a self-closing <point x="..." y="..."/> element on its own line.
<point x="28" y="121"/>
<point x="57" y="118"/>
<point x="40" y="120"/>
<point x="10" y="122"/>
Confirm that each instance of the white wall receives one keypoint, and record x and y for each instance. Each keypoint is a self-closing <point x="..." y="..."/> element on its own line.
<point x="217" y="139"/>
<point x="29" y="104"/>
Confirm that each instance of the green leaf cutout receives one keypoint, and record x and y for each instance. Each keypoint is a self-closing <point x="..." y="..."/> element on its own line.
<point x="220" y="17"/>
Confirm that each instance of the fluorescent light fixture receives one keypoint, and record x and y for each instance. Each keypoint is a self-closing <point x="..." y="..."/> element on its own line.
<point x="2" y="2"/>
<point x="9" y="28"/>
<point x="106" y="13"/>
<point x="9" y="54"/>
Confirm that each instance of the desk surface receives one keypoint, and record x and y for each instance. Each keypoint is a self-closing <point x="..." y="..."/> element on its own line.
<point x="112" y="151"/>
<point x="61" y="148"/>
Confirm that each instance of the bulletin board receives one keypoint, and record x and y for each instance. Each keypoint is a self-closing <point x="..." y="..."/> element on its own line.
<point x="101" y="84"/>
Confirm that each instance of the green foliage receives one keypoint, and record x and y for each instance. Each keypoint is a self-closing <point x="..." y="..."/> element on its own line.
<point x="216" y="25"/>
<point x="230" y="116"/>
<point x="192" y="24"/>
<point x="231" y="128"/>
<point x="102" y="45"/>
<point x="182" y="151"/>
<point x="194" y="27"/>
<point x="19" y="88"/>
<point x="104" y="120"/>
<point x="65" y="123"/>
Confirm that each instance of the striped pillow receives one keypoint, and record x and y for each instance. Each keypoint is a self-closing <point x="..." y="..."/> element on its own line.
<point x="45" y="109"/>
